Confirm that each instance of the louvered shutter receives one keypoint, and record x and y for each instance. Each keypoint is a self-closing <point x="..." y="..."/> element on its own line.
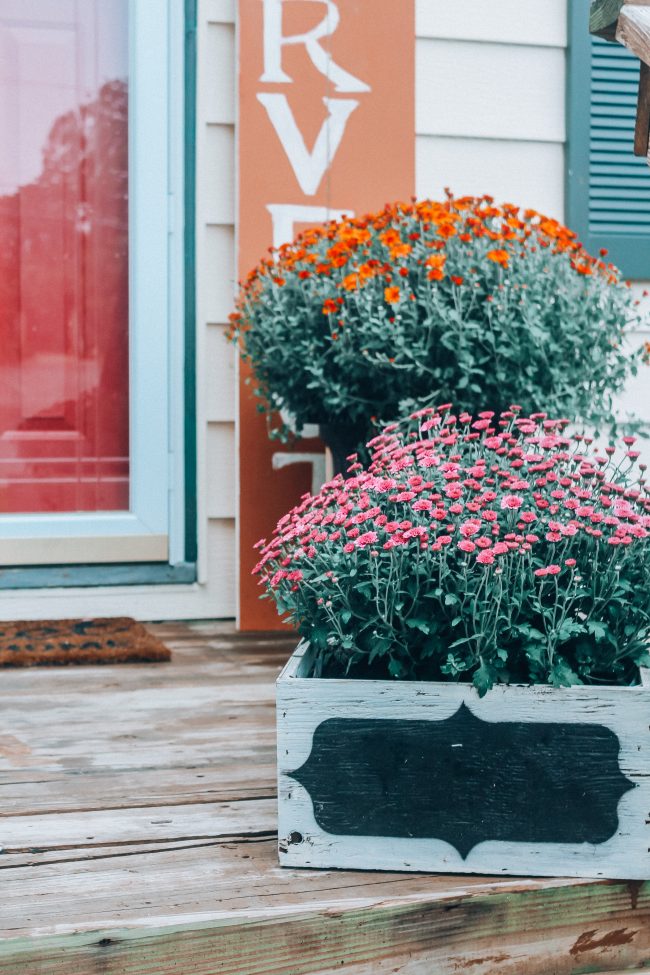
<point x="608" y="188"/>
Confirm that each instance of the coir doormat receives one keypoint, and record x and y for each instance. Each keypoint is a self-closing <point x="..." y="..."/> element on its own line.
<point x="59" y="642"/>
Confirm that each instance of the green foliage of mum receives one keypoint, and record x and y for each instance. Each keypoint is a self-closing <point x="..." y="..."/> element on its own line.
<point x="459" y="300"/>
<point x="495" y="549"/>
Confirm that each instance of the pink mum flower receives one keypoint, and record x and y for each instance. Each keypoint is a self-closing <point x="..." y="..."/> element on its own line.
<point x="423" y="504"/>
<point x="466" y="546"/>
<point x="485" y="558"/>
<point x="368" y="538"/>
<point x="512" y="501"/>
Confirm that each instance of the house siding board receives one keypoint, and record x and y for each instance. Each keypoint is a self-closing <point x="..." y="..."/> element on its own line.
<point x="500" y="21"/>
<point x="217" y="274"/>
<point x="220" y="385"/>
<point x="220" y="11"/>
<point x="219" y="73"/>
<point x="221" y="466"/>
<point x="467" y="89"/>
<point x="220" y="162"/>
<point x="527" y="172"/>
<point x="222" y="561"/>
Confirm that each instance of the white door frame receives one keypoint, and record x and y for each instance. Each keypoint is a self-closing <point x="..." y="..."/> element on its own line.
<point x="153" y="528"/>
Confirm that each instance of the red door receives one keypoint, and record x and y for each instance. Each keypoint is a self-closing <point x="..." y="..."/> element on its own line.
<point x="64" y="418"/>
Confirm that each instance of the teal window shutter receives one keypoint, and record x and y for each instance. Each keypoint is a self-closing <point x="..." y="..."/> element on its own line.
<point x="607" y="187"/>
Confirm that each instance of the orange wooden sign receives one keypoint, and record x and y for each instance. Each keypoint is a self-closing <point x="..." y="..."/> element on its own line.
<point x="326" y="126"/>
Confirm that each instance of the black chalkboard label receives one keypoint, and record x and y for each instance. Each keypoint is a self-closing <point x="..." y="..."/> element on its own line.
<point x="465" y="781"/>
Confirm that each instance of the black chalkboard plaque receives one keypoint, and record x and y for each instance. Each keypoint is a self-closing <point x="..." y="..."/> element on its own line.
<point x="465" y="780"/>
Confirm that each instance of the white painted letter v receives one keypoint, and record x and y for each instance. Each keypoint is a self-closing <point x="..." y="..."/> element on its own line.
<point x="309" y="167"/>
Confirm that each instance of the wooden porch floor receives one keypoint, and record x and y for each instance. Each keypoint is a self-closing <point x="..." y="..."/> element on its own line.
<point x="137" y="835"/>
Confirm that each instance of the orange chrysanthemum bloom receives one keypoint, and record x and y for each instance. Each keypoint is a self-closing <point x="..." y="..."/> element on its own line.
<point x="366" y="271"/>
<point x="400" y="250"/>
<point x="350" y="282"/>
<point x="392" y="295"/>
<point x="329" y="306"/>
<point x="499" y="256"/>
<point x="447" y="230"/>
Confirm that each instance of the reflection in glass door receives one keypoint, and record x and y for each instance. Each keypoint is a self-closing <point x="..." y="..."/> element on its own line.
<point x="64" y="286"/>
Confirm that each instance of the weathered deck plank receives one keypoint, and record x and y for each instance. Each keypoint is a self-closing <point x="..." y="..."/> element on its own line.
<point x="137" y="826"/>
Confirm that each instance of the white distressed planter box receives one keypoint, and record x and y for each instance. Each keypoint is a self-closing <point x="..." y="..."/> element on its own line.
<point x="417" y="776"/>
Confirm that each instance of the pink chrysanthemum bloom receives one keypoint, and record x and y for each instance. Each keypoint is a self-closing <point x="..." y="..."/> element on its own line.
<point x="512" y="501"/>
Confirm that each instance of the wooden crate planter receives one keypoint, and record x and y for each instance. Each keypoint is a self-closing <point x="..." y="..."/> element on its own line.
<point x="419" y="776"/>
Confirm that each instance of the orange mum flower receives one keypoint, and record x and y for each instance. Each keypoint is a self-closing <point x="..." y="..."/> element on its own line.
<point x="392" y="295"/>
<point x="436" y="264"/>
<point x="447" y="230"/>
<point x="400" y="250"/>
<point x="456" y="278"/>
<point x="499" y="256"/>
<point x="350" y="282"/>
<point x="390" y="237"/>
<point x="329" y="306"/>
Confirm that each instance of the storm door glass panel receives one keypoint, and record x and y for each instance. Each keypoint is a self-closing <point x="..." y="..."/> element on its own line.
<point x="64" y="390"/>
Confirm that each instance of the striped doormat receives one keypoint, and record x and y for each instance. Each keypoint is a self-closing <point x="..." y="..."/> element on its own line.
<point x="46" y="643"/>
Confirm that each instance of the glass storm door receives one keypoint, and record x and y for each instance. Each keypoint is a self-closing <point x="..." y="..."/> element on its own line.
<point x="81" y="453"/>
